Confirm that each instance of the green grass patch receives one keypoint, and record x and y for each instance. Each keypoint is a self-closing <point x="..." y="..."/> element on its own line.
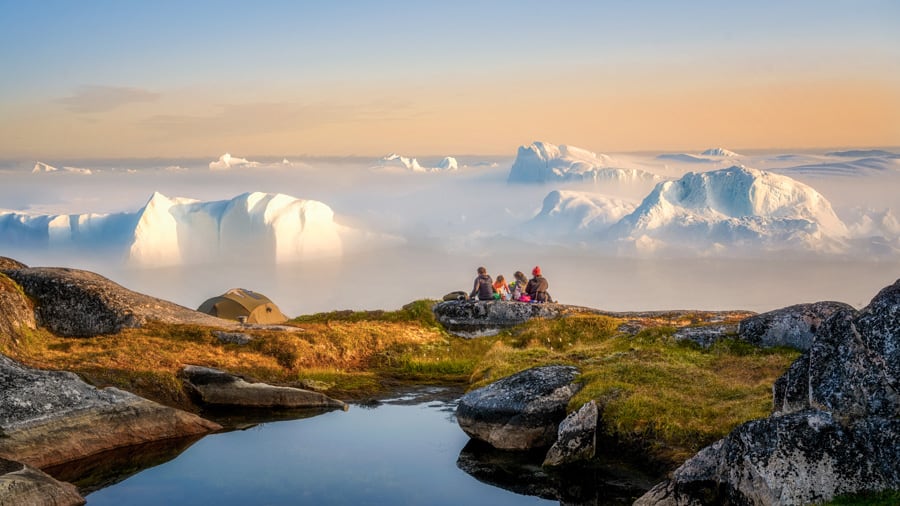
<point x="886" y="498"/>
<point x="417" y="311"/>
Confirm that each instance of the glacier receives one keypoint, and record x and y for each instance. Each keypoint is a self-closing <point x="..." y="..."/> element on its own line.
<point x="543" y="162"/>
<point x="732" y="209"/>
<point x="267" y="227"/>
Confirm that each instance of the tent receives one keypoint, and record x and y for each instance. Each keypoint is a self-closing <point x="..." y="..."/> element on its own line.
<point x="239" y="302"/>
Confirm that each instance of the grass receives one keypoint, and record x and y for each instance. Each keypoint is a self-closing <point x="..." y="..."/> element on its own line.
<point x="886" y="498"/>
<point x="668" y="398"/>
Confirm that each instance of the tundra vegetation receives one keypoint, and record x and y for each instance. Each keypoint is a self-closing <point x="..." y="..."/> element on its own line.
<point x="666" y="399"/>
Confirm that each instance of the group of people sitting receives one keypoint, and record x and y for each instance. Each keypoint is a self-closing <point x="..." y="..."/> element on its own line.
<point x="521" y="289"/>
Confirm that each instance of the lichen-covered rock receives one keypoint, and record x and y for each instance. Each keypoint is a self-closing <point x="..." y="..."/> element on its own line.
<point x="521" y="411"/>
<point x="238" y="338"/>
<point x="473" y="318"/>
<point x="576" y="438"/>
<point x="800" y="458"/>
<point x="72" y="302"/>
<point x="705" y="335"/>
<point x="9" y="264"/>
<point x="22" y="485"/>
<point x="218" y="388"/>
<point x="835" y="430"/>
<point x="52" y="417"/>
<point x="792" y="326"/>
<point x="16" y="310"/>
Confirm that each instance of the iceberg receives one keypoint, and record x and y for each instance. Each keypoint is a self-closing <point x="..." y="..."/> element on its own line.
<point x="567" y="213"/>
<point x="266" y="227"/>
<point x="733" y="207"/>
<point x="395" y="161"/>
<point x="542" y="162"/>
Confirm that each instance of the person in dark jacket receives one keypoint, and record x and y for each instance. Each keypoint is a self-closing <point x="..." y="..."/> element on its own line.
<point x="537" y="287"/>
<point x="484" y="286"/>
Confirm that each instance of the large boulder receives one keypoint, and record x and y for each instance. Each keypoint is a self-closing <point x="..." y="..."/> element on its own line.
<point x="521" y="411"/>
<point x="792" y="326"/>
<point x="473" y="318"/>
<point x="72" y="302"/>
<point x="798" y="458"/>
<point x="219" y="388"/>
<point x="835" y="429"/>
<point x="16" y="310"/>
<point x="22" y="485"/>
<point x="52" y="417"/>
<point x="576" y="439"/>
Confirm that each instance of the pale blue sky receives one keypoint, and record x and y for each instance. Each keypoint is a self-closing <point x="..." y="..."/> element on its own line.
<point x="154" y="62"/>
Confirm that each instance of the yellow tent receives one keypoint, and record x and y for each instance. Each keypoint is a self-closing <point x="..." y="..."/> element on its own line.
<point x="239" y="302"/>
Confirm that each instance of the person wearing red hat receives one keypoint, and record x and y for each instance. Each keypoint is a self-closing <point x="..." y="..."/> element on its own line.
<point x="537" y="287"/>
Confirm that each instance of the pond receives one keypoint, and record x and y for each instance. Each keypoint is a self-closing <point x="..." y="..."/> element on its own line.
<point x="403" y="450"/>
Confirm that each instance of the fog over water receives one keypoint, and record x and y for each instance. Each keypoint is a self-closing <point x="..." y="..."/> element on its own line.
<point x="428" y="232"/>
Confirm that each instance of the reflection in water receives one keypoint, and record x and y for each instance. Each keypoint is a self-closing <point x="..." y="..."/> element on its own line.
<point x="110" y="467"/>
<point x="599" y="482"/>
<point x="400" y="450"/>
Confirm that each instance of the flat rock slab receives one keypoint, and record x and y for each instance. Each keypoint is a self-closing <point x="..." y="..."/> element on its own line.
<point x="219" y="388"/>
<point x="52" y="417"/>
<point x="77" y="303"/>
<point x="471" y="318"/>
<point x="22" y="485"/>
<point x="521" y="411"/>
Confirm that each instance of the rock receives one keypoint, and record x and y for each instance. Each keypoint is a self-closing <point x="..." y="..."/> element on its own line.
<point x="705" y="335"/>
<point x="835" y="428"/>
<point x="792" y="326"/>
<point x="218" y="388"/>
<point x="239" y="338"/>
<point x="22" y="485"/>
<point x="72" y="302"/>
<point x="577" y="437"/>
<point x="799" y="458"/>
<point x="521" y="411"/>
<point x="52" y="417"/>
<point x="472" y="318"/>
<point x="9" y="264"/>
<point x="16" y="310"/>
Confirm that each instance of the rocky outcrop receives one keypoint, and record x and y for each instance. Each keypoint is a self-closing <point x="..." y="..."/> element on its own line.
<point x="705" y="335"/>
<point x="577" y="437"/>
<point x="792" y="326"/>
<point x="835" y="429"/>
<point x="218" y="388"/>
<point x="472" y="318"/>
<point x="22" y="485"/>
<point x="521" y="411"/>
<point x="9" y="264"/>
<point x="72" y="302"/>
<point x="16" y="310"/>
<point x="51" y="417"/>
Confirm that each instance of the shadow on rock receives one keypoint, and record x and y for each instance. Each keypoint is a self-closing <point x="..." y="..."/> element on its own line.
<point x="596" y="482"/>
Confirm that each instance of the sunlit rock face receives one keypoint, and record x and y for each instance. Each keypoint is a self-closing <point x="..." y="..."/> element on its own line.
<point x="521" y="411"/>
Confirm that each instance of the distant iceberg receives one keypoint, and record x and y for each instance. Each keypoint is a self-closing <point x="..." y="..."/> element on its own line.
<point x="720" y="152"/>
<point x="266" y="227"/>
<point x="733" y="207"/>
<point x="571" y="213"/>
<point x="227" y="161"/>
<point x="43" y="168"/>
<point x="395" y="161"/>
<point x="542" y="162"/>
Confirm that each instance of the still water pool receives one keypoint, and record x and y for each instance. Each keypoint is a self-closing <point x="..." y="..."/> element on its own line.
<point x="405" y="450"/>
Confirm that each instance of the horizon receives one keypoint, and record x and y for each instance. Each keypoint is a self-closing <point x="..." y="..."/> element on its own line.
<point x="109" y="80"/>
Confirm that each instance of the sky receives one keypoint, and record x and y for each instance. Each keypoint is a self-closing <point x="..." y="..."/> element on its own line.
<point x="105" y="79"/>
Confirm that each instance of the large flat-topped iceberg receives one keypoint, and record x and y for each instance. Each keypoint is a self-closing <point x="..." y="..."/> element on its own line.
<point x="542" y="162"/>
<point x="268" y="227"/>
